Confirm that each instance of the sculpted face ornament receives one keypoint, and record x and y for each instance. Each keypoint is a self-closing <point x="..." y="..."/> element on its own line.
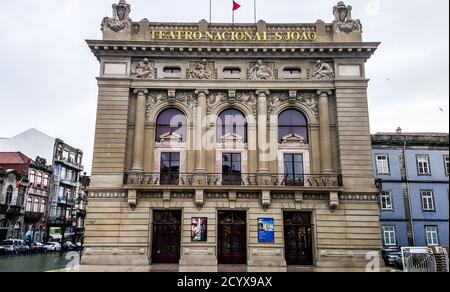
<point x="343" y="19"/>
<point x="120" y="19"/>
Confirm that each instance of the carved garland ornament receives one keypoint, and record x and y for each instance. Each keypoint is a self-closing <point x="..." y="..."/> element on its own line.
<point x="308" y="99"/>
<point x="154" y="98"/>
<point x="232" y="97"/>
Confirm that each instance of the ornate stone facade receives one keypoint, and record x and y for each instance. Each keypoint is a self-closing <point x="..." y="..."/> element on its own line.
<point x="269" y="127"/>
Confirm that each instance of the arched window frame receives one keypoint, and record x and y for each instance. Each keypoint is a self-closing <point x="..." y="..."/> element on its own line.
<point x="221" y="127"/>
<point x="301" y="129"/>
<point x="159" y="130"/>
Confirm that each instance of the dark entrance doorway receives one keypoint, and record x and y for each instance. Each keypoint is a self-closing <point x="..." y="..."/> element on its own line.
<point x="298" y="238"/>
<point x="166" y="237"/>
<point x="232" y="241"/>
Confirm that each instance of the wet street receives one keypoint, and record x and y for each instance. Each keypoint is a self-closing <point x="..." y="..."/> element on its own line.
<point x="38" y="262"/>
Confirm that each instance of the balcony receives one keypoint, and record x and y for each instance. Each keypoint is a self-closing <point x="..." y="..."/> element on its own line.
<point x="239" y="181"/>
<point x="11" y="210"/>
<point x="70" y="162"/>
<point x="33" y="216"/>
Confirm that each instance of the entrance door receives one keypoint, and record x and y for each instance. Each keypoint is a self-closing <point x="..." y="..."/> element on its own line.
<point x="232" y="241"/>
<point x="166" y="237"/>
<point x="298" y="238"/>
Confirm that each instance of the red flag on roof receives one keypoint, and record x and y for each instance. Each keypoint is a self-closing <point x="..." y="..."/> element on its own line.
<point x="236" y="6"/>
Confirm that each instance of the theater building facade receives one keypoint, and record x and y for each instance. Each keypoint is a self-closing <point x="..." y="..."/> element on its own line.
<point x="242" y="144"/>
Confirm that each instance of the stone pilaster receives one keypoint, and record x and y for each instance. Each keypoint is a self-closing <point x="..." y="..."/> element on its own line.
<point x="263" y="146"/>
<point x="200" y="130"/>
<point x="326" y="160"/>
<point x="139" y="130"/>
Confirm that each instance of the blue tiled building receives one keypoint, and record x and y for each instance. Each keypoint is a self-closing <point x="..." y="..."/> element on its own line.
<point x="412" y="170"/>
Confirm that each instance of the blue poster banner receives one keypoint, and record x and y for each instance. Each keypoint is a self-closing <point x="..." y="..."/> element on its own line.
<point x="266" y="230"/>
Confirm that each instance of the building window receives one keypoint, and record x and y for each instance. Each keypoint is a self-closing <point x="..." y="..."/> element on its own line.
<point x="231" y="169"/>
<point x="170" y="168"/>
<point x="423" y="165"/>
<point x="446" y="165"/>
<point x="63" y="172"/>
<point x="382" y="161"/>
<point x="292" y="123"/>
<point x="39" y="178"/>
<point x="45" y="182"/>
<point x="292" y="72"/>
<point x="432" y="235"/>
<point x="20" y="197"/>
<point x="43" y="203"/>
<point x="29" y="203"/>
<point x="427" y="200"/>
<point x="171" y="122"/>
<point x="36" y="205"/>
<point x="386" y="201"/>
<point x="389" y="236"/>
<point x="232" y="73"/>
<point x="32" y="176"/>
<point x="9" y="195"/>
<point x="293" y="170"/>
<point x="172" y="72"/>
<point x="232" y="124"/>
<point x="66" y="155"/>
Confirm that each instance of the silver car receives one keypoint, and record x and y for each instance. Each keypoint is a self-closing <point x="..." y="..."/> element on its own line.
<point x="15" y="246"/>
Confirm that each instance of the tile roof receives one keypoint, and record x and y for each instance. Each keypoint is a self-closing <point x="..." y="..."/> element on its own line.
<point x="13" y="158"/>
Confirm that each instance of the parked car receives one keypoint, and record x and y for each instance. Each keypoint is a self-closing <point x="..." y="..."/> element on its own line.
<point x="15" y="246"/>
<point x="79" y="246"/>
<point x="37" y="247"/>
<point x="53" y="246"/>
<point x="2" y="250"/>
<point x="391" y="256"/>
<point x="68" y="246"/>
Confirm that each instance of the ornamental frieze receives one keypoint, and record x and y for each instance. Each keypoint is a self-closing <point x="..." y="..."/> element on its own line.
<point x="358" y="197"/>
<point x="107" y="195"/>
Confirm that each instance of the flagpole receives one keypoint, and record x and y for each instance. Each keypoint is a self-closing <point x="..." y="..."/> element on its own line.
<point x="210" y="11"/>
<point x="255" y="10"/>
<point x="232" y="21"/>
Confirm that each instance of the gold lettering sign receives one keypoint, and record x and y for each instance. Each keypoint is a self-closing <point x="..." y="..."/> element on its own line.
<point x="234" y="36"/>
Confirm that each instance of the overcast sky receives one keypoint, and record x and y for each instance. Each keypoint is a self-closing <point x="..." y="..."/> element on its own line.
<point x="48" y="72"/>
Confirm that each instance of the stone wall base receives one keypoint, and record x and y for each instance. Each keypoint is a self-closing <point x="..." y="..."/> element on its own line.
<point x="345" y="260"/>
<point x="115" y="257"/>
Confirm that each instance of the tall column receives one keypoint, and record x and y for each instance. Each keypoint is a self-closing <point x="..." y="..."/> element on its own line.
<point x="263" y="145"/>
<point x="200" y="129"/>
<point x="139" y="130"/>
<point x="325" y="136"/>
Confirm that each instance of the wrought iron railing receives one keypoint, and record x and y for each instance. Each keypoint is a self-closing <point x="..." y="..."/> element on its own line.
<point x="243" y="180"/>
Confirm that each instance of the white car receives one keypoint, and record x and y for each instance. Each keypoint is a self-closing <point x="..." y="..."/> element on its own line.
<point x="15" y="246"/>
<point x="53" y="246"/>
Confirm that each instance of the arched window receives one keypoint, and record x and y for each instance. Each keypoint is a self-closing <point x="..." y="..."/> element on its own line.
<point x="9" y="195"/>
<point x="231" y="124"/>
<point x="171" y="124"/>
<point x="292" y="124"/>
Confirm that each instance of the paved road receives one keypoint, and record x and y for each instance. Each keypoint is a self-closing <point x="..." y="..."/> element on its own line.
<point x="38" y="262"/>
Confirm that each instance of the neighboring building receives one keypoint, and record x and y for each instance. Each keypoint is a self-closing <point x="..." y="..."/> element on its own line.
<point x="413" y="169"/>
<point x="37" y="200"/>
<point x="13" y="189"/>
<point x="232" y="144"/>
<point x="66" y="167"/>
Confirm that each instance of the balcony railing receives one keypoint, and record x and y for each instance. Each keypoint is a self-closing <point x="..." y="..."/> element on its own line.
<point x="242" y="180"/>
<point x="70" y="162"/>
<point x="11" y="210"/>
